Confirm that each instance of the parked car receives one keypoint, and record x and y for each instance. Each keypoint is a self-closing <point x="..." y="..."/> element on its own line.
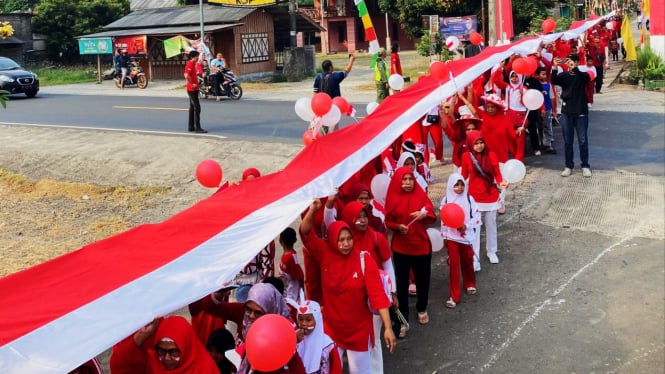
<point x="16" y="80"/>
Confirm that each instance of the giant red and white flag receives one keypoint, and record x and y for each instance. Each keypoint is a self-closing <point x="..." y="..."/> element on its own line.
<point x="59" y="314"/>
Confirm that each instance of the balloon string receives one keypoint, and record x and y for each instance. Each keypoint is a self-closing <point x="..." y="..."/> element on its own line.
<point x="525" y="117"/>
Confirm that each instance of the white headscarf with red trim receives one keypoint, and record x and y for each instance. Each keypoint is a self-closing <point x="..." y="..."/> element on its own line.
<point x="312" y="346"/>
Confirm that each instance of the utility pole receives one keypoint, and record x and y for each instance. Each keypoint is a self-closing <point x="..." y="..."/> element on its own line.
<point x="292" y="17"/>
<point x="387" y="34"/>
<point x="202" y="24"/>
<point x="491" y="21"/>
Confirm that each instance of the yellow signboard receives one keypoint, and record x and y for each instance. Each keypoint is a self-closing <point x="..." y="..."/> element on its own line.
<point x="246" y="2"/>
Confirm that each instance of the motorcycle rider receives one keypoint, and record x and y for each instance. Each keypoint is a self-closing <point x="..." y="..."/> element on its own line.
<point x="122" y="62"/>
<point x="217" y="65"/>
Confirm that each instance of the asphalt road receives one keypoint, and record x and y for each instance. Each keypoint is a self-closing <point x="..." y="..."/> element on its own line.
<point x="618" y="140"/>
<point x="241" y="119"/>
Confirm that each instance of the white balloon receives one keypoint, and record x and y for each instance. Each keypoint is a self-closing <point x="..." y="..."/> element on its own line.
<point x="609" y="25"/>
<point x="435" y="238"/>
<point x="533" y="99"/>
<point x="304" y="109"/>
<point x="332" y="118"/>
<point x="379" y="187"/>
<point x="452" y="42"/>
<point x="371" y="107"/>
<point x="396" y="82"/>
<point x="513" y="171"/>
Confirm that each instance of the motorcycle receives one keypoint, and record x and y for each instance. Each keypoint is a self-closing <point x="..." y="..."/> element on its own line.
<point x="135" y="77"/>
<point x="230" y="86"/>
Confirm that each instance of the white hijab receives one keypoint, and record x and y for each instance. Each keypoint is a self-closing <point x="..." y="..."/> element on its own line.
<point x="311" y="348"/>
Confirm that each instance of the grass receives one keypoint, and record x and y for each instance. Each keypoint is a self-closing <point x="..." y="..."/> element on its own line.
<point x="52" y="76"/>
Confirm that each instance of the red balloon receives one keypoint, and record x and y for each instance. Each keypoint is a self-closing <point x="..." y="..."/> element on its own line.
<point x="475" y="38"/>
<point x="341" y="103"/>
<point x="321" y="103"/>
<point x="209" y="173"/>
<point x="520" y="66"/>
<point x="548" y="25"/>
<point x="270" y="343"/>
<point x="452" y="215"/>
<point x="532" y="65"/>
<point x="307" y="137"/>
<point x="438" y="70"/>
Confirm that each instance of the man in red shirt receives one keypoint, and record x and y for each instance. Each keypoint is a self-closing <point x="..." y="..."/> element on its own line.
<point x="192" y="84"/>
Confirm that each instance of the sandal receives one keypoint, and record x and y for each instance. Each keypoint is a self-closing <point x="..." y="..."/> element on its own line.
<point x="402" y="331"/>
<point x="450" y="303"/>
<point x="471" y="290"/>
<point x="423" y="318"/>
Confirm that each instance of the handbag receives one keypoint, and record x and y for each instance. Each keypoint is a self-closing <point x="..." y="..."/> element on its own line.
<point x="433" y="118"/>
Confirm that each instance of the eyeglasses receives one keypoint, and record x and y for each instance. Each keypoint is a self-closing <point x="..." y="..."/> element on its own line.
<point x="256" y="312"/>
<point x="173" y="352"/>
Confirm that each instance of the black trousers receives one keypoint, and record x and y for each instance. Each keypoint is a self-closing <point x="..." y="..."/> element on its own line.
<point x="194" y="111"/>
<point x="535" y="126"/>
<point x="599" y="78"/>
<point x="422" y="270"/>
<point x="216" y="81"/>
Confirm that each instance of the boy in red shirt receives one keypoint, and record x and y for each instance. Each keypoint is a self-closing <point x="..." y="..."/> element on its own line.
<point x="289" y="268"/>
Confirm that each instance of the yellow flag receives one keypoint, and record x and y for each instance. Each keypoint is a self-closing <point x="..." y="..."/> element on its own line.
<point x="646" y="11"/>
<point x="628" y="41"/>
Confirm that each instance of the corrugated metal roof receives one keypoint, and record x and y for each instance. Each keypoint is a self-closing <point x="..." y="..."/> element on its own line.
<point x="180" y="16"/>
<point x="155" y="31"/>
<point x="151" y="4"/>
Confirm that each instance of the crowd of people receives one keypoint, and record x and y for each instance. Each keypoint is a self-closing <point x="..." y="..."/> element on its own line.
<point x="366" y="252"/>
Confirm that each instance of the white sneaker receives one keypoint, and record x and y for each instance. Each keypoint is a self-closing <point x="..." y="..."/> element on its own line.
<point x="586" y="172"/>
<point x="567" y="171"/>
<point x="476" y="266"/>
<point x="537" y="153"/>
<point x="493" y="258"/>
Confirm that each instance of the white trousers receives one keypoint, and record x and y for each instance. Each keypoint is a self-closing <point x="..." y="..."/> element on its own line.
<point x="489" y="223"/>
<point x="377" y="351"/>
<point x="359" y="362"/>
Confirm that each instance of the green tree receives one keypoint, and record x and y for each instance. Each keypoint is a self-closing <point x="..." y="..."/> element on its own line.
<point x="63" y="20"/>
<point x="11" y="6"/>
<point x="409" y="12"/>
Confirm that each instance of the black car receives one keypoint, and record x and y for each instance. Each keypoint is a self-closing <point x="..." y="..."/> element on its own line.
<point x="16" y="80"/>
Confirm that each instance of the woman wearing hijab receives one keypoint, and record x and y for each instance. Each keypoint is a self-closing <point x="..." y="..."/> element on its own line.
<point x="347" y="288"/>
<point x="168" y="346"/>
<point x="459" y="240"/>
<point x="366" y="239"/>
<point x="408" y="159"/>
<point x="481" y="168"/>
<point x="409" y="212"/>
<point x="376" y="213"/>
<point x="262" y="299"/>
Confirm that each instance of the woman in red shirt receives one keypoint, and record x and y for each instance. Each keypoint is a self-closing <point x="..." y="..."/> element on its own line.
<point x="346" y="288"/>
<point x="409" y="212"/>
<point x="481" y="168"/>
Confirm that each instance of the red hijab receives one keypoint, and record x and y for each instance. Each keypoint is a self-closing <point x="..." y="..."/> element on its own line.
<point x="363" y="240"/>
<point x="251" y="171"/>
<point x="340" y="267"/>
<point x="402" y="202"/>
<point x="194" y="358"/>
<point x="483" y="157"/>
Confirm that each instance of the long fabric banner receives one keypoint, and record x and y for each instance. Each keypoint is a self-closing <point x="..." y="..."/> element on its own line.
<point x="87" y="300"/>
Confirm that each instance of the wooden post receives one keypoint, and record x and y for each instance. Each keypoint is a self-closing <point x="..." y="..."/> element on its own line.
<point x="99" y="69"/>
